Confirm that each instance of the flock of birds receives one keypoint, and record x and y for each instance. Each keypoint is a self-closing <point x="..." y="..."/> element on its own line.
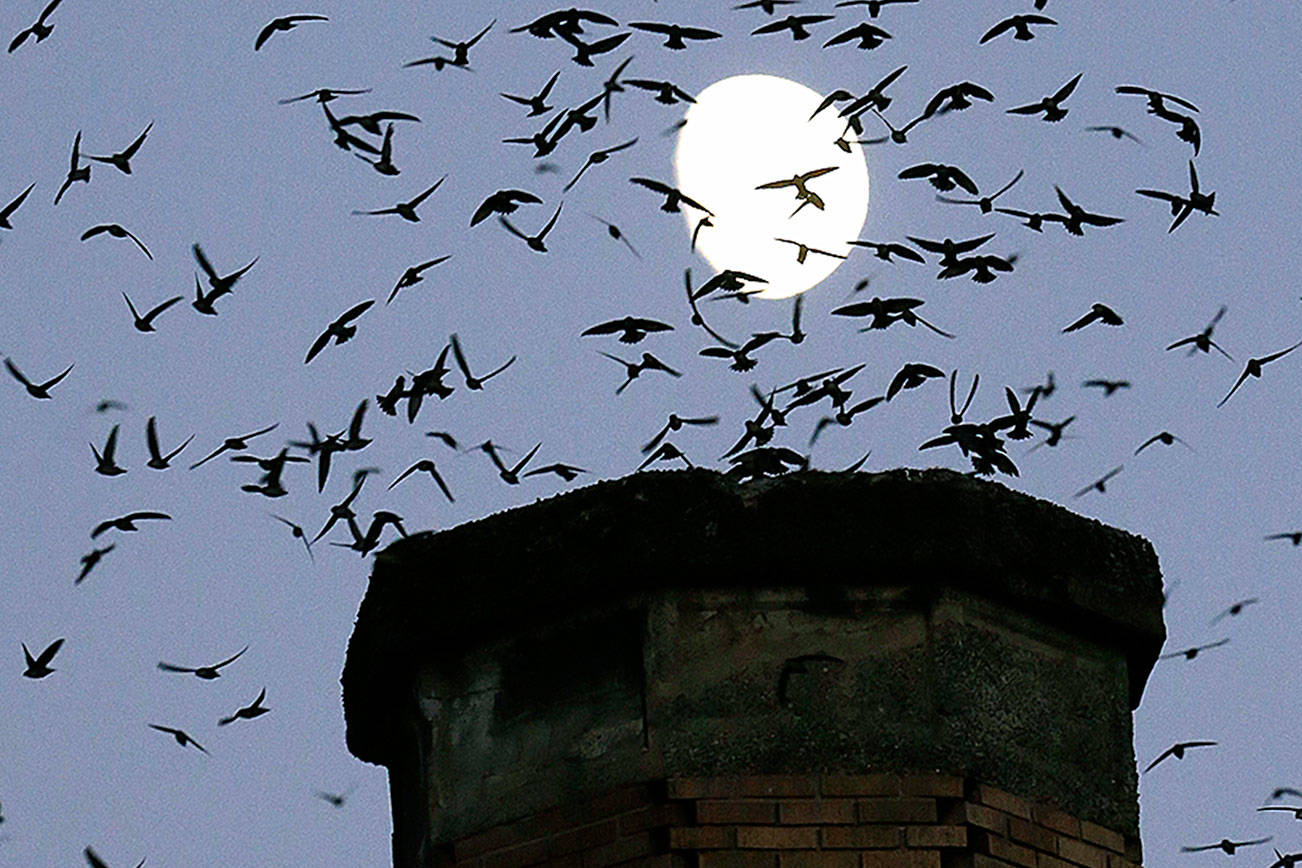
<point x="834" y="397"/>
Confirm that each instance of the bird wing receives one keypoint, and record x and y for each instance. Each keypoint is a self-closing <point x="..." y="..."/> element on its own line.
<point x="1065" y="91"/>
<point x="231" y="659"/>
<point x="355" y="311"/>
<point x="95" y="230"/>
<point x="170" y="667"/>
<point x="999" y="28"/>
<point x="48" y="654"/>
<point x="265" y="33"/>
<point x="318" y="345"/>
<point x="162" y="307"/>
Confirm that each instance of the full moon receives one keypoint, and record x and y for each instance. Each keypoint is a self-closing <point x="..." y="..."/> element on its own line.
<point x="750" y="130"/>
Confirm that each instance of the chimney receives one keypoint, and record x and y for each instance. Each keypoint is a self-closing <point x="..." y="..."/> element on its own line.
<point x="909" y="669"/>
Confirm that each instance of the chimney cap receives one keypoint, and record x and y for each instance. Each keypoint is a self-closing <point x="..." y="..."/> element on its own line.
<point x="442" y="594"/>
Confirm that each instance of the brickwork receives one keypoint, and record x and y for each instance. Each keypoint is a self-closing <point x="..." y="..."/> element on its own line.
<point x="924" y="820"/>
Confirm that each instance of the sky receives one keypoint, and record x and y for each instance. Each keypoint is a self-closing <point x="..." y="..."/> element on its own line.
<point x="227" y="166"/>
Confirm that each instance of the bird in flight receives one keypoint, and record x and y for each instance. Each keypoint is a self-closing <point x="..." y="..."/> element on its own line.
<point x="536" y="242"/>
<point x="77" y="172"/>
<point x="182" y="738"/>
<point x="425" y="465"/>
<point x="503" y="202"/>
<point x="41" y="29"/>
<point x="1166" y="438"/>
<point x="207" y="673"/>
<point x="803" y="194"/>
<point x="127" y="523"/>
<point x="1115" y="132"/>
<point x="674" y="198"/>
<point x="122" y="159"/>
<point x="1100" y="485"/>
<point x="472" y="382"/>
<point x="220" y="285"/>
<point x="941" y="176"/>
<point x="596" y="158"/>
<point x="1076" y="216"/>
<point x="869" y="36"/>
<point x="297" y="532"/>
<point x="1226" y="846"/>
<point x="461" y="50"/>
<point x="89" y="560"/>
<point x="538" y="102"/>
<point x="630" y="329"/>
<point x="8" y="210"/>
<point x="1192" y="652"/>
<point x="39" y="666"/>
<point x="675" y="35"/>
<point x="283" y="25"/>
<point x="248" y="712"/>
<point x="146" y="323"/>
<point x="115" y="231"/>
<point x="1098" y="313"/>
<point x="1294" y="537"/>
<point x="1019" y="24"/>
<point x="412" y="276"/>
<point x="36" y="390"/>
<point x="1108" y="386"/>
<point x="1183" y="206"/>
<point x="632" y="370"/>
<point x="1235" y="609"/>
<point x="803" y="250"/>
<point x="339" y="329"/>
<point x="1051" y="105"/>
<point x="1203" y="340"/>
<point x="105" y="464"/>
<point x="407" y="210"/>
<point x="1253" y="369"/>
<point x="985" y="203"/>
<point x="510" y="475"/>
<point x="797" y="24"/>
<point x="233" y="444"/>
<point x="1177" y="750"/>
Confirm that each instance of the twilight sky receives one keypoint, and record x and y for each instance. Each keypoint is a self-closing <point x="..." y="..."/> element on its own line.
<point x="228" y="167"/>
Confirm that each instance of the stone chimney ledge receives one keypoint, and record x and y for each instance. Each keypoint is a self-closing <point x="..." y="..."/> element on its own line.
<point x="441" y="593"/>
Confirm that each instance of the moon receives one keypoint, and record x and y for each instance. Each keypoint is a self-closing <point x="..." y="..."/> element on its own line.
<point x="749" y="130"/>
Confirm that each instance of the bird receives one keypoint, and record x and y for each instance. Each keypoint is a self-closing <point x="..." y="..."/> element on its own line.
<point x="675" y="34"/>
<point x="1100" y="485"/>
<point x="372" y="122"/>
<point x="425" y="465"/>
<point x="584" y="51"/>
<point x="1192" y="652"/>
<point x="797" y="24"/>
<point x="1098" y="313"/>
<point x="1253" y="369"/>
<point x="630" y="329"/>
<point x="632" y="370"/>
<point x="1183" y="206"/>
<point x="956" y="97"/>
<point x="948" y="248"/>
<point x="342" y="510"/>
<point x="503" y="202"/>
<point x="940" y="176"/>
<point x="1050" y="105"/>
<point x="1294" y="537"/>
<point x="77" y="172"/>
<point x="1166" y="438"/>
<point x="90" y="560"/>
<point x="248" y="712"/>
<point x="803" y="250"/>
<point x="122" y="159"/>
<point x="335" y="799"/>
<point x="567" y="472"/>
<point x="182" y="738"/>
<point x="1226" y="845"/>
<point x="36" y="390"/>
<point x="538" y="102"/>
<point x="220" y="284"/>
<point x="740" y="356"/>
<point x="1235" y="609"/>
<point x="666" y="452"/>
<point x="1076" y="216"/>
<point x="127" y="523"/>
<point x="146" y="323"/>
<point x="911" y="376"/>
<point x="8" y="210"/>
<point x="874" y="6"/>
<point x="1114" y="131"/>
<point x="1108" y="386"/>
<point x="803" y="194"/>
<point x="676" y="423"/>
<point x="674" y="198"/>
<point x="1055" y="430"/>
<point x="39" y="666"/>
<point x="596" y="158"/>
<point x="461" y="50"/>
<point x="1019" y="24"/>
<point x="41" y="29"/>
<point x="898" y="135"/>
<point x="234" y="444"/>
<point x="509" y="475"/>
<point x="115" y="231"/>
<point x="885" y="250"/>
<point x="618" y="234"/>
<point x="207" y="673"/>
<point x="985" y="203"/>
<point x="324" y="95"/>
<point x="869" y="36"/>
<point x="1203" y="340"/>
<point x="536" y="242"/>
<point x="297" y="532"/>
<point x="412" y="276"/>
<point x="472" y="382"/>
<point x="283" y="24"/>
<point x="105" y="463"/>
<point x="340" y="329"/>
<point x="1177" y="750"/>
<point x="384" y="165"/>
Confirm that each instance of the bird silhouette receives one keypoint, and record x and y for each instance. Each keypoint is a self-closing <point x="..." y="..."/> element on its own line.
<point x="340" y="329"/>
<point x="233" y="444"/>
<point x="1235" y="609"/>
<point x="425" y="465"/>
<point x="985" y="203"/>
<point x="1077" y="217"/>
<point x="874" y="6"/>
<point x="538" y="102"/>
<point x="1098" y="313"/>
<point x="181" y="737"/>
<point x="220" y="284"/>
<point x="510" y="475"/>
<point x="248" y="712"/>
<point x="503" y="202"/>
<point x="1226" y="846"/>
<point x="675" y="34"/>
<point x="146" y="323"/>
<point x="39" y="666"/>
<point x="796" y="24"/>
<point x="407" y="210"/>
<point x="869" y="36"/>
<point x="8" y="210"/>
<point x="630" y="329"/>
<point x="741" y="359"/>
<point x="940" y="176"/>
<point x="1101" y="484"/>
<point x="618" y="234"/>
<point x="77" y="172"/>
<point x="324" y="95"/>
<point x="96" y="862"/>
<point x="1203" y="340"/>
<point x="283" y="25"/>
<point x="384" y="165"/>
<point x="1253" y="369"/>
<point x="596" y="158"/>
<point x="1166" y="438"/>
<point x="911" y="376"/>
<point x="297" y="531"/>
<point x="105" y="463"/>
<point x="1108" y="386"/>
<point x="207" y="673"/>
<point x="90" y="560"/>
<point x="341" y="511"/>
<point x="127" y="523"/>
<point x="1050" y="105"/>
<point x="1177" y="750"/>
<point x="1020" y="25"/>
<point x="536" y="242"/>
<point x="373" y="122"/>
<point x="632" y="370"/>
<point x="676" y="423"/>
<point x="41" y="29"/>
<point x="1294" y="537"/>
<point x="1192" y="652"/>
<point x="461" y="50"/>
<point x="1115" y="131"/>
<point x="803" y="250"/>
<point x="674" y="198"/>
<point x="1183" y="206"/>
<point x="803" y="194"/>
<point x="413" y="276"/>
<point x="472" y="382"/>
<point x="956" y="97"/>
<point x="36" y="390"/>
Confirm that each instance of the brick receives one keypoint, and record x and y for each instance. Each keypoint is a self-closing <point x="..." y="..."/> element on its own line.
<point x="653" y="816"/>
<point x="616" y="801"/>
<point x="1032" y="835"/>
<point x="1003" y="801"/>
<point x="912" y="809"/>
<point x="1044" y="860"/>
<point x="663" y="860"/>
<point x="981" y="860"/>
<point x="1115" y="861"/>
<point x="932" y="784"/>
<point x="1057" y="820"/>
<point x="736" y="811"/>
<point x="883" y="784"/>
<point x="500" y="837"/>
<point x="1002" y="848"/>
<point x="1134" y="850"/>
<point x="983" y="817"/>
<point x="900" y="859"/>
<point x="935" y="836"/>
<point x="1102" y="836"/>
<point x="702" y="838"/>
<point x="738" y="859"/>
<point x="583" y="837"/>
<point x="818" y="859"/>
<point x="572" y="860"/>
<point x="733" y="786"/>
<point x="1082" y="853"/>
<point x="518" y="856"/>
<point x="862" y="837"/>
<point x="783" y="837"/>
<point x="620" y="850"/>
<point x="816" y="811"/>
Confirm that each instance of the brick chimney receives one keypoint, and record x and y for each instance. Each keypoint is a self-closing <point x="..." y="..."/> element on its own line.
<point x="910" y="669"/>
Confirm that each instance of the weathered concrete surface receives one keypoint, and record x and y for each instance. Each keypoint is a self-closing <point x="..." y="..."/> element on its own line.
<point x="675" y="623"/>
